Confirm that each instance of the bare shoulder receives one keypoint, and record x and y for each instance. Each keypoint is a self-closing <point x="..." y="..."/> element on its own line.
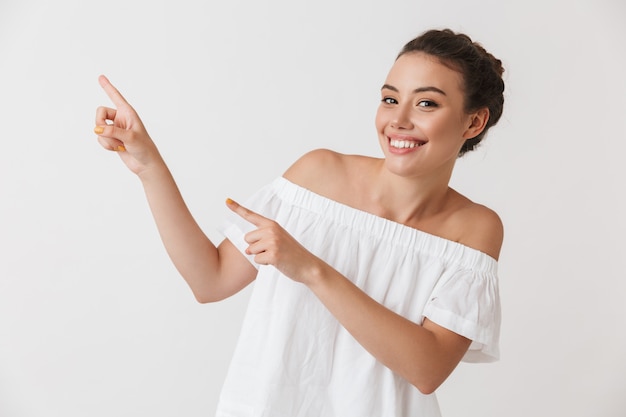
<point x="481" y="228"/>
<point x="322" y="171"/>
<point x="310" y="165"/>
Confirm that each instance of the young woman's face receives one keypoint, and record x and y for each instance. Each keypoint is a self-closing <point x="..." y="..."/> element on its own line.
<point x="421" y="122"/>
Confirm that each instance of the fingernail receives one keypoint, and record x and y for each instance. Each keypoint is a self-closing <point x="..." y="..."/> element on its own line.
<point x="229" y="201"/>
<point x="120" y="148"/>
<point x="98" y="129"/>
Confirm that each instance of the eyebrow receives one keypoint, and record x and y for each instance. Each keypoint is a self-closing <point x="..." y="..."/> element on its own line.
<point x="417" y="90"/>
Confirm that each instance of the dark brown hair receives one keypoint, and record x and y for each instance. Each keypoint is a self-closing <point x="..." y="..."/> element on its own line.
<point x="481" y="72"/>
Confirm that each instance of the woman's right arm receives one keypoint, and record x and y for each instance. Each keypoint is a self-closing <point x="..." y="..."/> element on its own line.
<point x="213" y="273"/>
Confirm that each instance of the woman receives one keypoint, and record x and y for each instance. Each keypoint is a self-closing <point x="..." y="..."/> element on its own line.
<point x="373" y="278"/>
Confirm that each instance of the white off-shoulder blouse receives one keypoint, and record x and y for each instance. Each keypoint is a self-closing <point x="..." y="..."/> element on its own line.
<point x="293" y="358"/>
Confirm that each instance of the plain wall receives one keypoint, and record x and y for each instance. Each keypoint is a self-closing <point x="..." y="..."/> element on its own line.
<point x="95" y="321"/>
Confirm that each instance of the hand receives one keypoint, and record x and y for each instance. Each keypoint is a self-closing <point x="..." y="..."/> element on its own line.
<point x="272" y="245"/>
<point x="121" y="130"/>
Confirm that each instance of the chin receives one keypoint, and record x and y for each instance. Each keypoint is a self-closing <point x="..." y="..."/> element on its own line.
<point x="400" y="168"/>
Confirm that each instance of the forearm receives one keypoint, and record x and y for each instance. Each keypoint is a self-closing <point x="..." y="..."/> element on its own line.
<point x="423" y="357"/>
<point x="192" y="253"/>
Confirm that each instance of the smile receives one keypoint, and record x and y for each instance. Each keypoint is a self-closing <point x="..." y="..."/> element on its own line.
<point x="404" y="144"/>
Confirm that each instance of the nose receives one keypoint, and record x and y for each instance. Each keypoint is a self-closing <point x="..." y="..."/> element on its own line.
<point x="401" y="118"/>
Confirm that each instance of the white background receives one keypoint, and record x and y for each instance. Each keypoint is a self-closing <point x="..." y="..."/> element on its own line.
<point x="94" y="320"/>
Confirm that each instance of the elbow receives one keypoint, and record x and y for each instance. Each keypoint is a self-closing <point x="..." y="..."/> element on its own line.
<point x="426" y="385"/>
<point x="201" y="299"/>
<point x="206" y="296"/>
<point x="204" y="293"/>
<point x="426" y="389"/>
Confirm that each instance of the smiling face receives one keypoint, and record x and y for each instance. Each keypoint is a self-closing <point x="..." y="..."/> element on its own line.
<point x="421" y="121"/>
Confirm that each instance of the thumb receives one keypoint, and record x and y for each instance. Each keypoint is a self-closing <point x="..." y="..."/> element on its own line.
<point x="113" y="132"/>
<point x="112" y="138"/>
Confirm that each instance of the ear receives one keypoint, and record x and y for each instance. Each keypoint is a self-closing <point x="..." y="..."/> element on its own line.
<point x="477" y="123"/>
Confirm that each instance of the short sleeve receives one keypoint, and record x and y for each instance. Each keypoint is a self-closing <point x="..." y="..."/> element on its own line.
<point x="468" y="303"/>
<point x="235" y="232"/>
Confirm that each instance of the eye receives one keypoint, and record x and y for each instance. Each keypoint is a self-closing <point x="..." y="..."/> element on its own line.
<point x="389" y="100"/>
<point x="427" y="104"/>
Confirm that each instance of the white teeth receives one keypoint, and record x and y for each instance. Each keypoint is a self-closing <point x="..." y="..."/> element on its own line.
<point x="401" y="144"/>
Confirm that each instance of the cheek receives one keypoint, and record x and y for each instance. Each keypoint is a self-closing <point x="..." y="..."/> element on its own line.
<point x="378" y="121"/>
<point x="444" y="128"/>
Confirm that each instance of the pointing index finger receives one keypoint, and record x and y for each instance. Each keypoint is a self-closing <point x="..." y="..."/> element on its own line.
<point x="247" y="214"/>
<point x="113" y="93"/>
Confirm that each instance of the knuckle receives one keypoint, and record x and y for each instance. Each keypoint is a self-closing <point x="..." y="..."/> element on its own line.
<point x="100" y="114"/>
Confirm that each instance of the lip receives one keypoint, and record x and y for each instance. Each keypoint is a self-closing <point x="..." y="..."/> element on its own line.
<point x="405" y="138"/>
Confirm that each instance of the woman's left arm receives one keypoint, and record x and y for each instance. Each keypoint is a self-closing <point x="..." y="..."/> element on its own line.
<point x="422" y="354"/>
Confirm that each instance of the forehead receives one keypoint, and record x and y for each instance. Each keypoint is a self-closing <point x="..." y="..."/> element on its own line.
<point x="417" y="69"/>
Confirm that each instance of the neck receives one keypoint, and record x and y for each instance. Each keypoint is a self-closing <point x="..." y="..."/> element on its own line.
<point x="408" y="200"/>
